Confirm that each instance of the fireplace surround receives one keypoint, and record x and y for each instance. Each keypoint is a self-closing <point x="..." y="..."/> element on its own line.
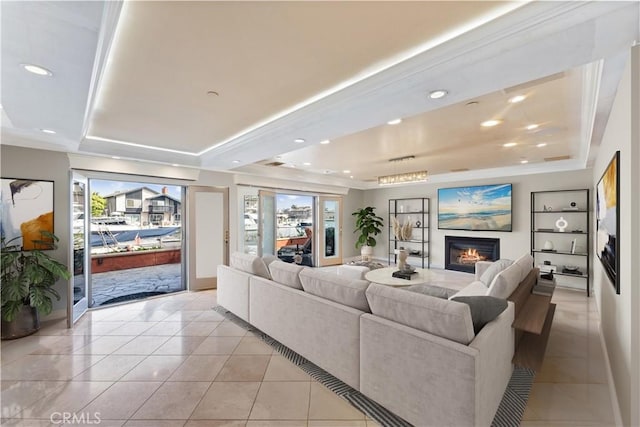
<point x="462" y="253"/>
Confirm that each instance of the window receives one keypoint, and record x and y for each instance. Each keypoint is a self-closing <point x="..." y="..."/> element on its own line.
<point x="156" y="219"/>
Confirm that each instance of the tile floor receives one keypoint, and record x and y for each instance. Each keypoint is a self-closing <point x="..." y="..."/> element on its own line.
<point x="172" y="361"/>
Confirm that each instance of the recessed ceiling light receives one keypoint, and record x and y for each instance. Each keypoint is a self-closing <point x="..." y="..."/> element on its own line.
<point x="533" y="126"/>
<point x="436" y="94"/>
<point x="49" y="131"/>
<point x="36" y="69"/>
<point x="298" y="140"/>
<point x="115" y="157"/>
<point x="516" y="99"/>
<point x="278" y="157"/>
<point x="394" y="121"/>
<point x="490" y="123"/>
<point x="542" y="144"/>
<point x="524" y="161"/>
<point x="307" y="164"/>
<point x="236" y="161"/>
<point x="174" y="164"/>
<point x="325" y="142"/>
<point x="510" y="144"/>
<point x="351" y="177"/>
<point x="346" y="171"/>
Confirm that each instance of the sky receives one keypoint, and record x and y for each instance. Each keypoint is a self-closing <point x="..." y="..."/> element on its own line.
<point x="104" y="187"/>
<point x="478" y="198"/>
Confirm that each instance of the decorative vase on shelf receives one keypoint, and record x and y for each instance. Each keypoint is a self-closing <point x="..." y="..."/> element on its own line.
<point x="548" y="245"/>
<point x="561" y="224"/>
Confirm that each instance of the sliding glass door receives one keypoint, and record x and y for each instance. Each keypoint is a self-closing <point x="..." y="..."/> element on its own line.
<point x="330" y="230"/>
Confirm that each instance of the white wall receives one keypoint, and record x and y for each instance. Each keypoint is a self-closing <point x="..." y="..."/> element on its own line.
<point x="619" y="313"/>
<point x="512" y="244"/>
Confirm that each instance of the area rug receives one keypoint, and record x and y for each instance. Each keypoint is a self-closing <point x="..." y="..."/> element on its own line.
<point x="509" y="413"/>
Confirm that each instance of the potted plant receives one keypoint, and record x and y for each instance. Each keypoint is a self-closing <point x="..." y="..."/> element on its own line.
<point x="368" y="224"/>
<point x="28" y="279"/>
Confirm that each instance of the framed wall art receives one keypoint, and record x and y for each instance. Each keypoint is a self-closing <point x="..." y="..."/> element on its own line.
<point x="481" y="207"/>
<point x="608" y="220"/>
<point x="27" y="211"/>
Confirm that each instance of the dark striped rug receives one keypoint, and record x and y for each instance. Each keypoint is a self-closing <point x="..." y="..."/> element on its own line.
<point x="509" y="412"/>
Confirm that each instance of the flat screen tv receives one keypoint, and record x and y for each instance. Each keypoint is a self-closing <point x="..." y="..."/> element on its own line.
<point x="478" y="208"/>
<point x="608" y="218"/>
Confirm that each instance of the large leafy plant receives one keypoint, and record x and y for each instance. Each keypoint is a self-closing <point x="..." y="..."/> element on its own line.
<point x="368" y="224"/>
<point x="28" y="277"/>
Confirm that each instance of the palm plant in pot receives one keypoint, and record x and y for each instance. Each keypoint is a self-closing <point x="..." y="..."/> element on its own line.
<point x="368" y="224"/>
<point x="28" y="279"/>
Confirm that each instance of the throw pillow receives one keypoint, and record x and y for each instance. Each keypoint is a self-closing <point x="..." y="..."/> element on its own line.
<point x="483" y="309"/>
<point x="493" y="270"/>
<point x="432" y="290"/>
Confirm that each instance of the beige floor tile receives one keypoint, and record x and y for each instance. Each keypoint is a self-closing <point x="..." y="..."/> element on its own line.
<point x="122" y="399"/>
<point x="131" y="328"/>
<point x="218" y="345"/>
<point x="64" y="344"/>
<point x="210" y="316"/>
<point x="280" y="369"/>
<point x="165" y="328"/>
<point x="104" y="345"/>
<point x="173" y="401"/>
<point x="371" y="423"/>
<point x="334" y="423"/>
<point x="215" y="423"/>
<point x="154" y="368"/>
<point x="143" y="345"/>
<point x="276" y="423"/>
<point x="199" y="368"/>
<point x="183" y="316"/>
<point x="111" y="368"/>
<point x="98" y="327"/>
<point x="19" y="395"/>
<point x="281" y="401"/>
<point x="44" y="367"/>
<point x="562" y="424"/>
<point x="244" y="368"/>
<point x="227" y="401"/>
<point x="569" y="402"/>
<point x="155" y="316"/>
<point x="200" y="329"/>
<point x="71" y="398"/>
<point x="326" y="405"/>
<point x="571" y="370"/>
<point x="184" y="345"/>
<point x="228" y="329"/>
<point x="154" y="423"/>
<point x="25" y="423"/>
<point x="252" y="345"/>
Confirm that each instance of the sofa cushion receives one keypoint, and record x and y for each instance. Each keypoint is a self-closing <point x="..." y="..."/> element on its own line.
<point x="525" y="262"/>
<point x="475" y="288"/>
<point x="268" y="259"/>
<point x="286" y="274"/>
<point x="441" y="317"/>
<point x="505" y="282"/>
<point x="335" y="288"/>
<point x="249" y="264"/>
<point x="483" y="309"/>
<point x="493" y="270"/>
<point x="431" y="290"/>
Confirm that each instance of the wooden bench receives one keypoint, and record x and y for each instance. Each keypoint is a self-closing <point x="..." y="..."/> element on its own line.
<point x="532" y="323"/>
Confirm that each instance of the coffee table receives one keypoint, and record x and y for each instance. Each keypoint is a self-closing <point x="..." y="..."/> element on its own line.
<point x="384" y="276"/>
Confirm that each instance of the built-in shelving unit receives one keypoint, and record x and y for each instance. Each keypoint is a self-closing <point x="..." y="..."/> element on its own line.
<point x="560" y="235"/>
<point x="415" y="212"/>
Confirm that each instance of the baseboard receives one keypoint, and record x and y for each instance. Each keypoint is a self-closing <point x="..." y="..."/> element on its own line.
<point x="612" y="389"/>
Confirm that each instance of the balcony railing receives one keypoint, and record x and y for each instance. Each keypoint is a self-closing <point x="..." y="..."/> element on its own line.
<point x="160" y="209"/>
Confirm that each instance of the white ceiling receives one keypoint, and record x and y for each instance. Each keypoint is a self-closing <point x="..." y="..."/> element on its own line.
<point x="131" y="79"/>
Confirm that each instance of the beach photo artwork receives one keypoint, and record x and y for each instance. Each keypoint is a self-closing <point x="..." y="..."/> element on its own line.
<point x="482" y="207"/>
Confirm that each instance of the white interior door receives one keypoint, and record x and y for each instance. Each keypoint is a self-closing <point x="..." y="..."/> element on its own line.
<point x="329" y="230"/>
<point x="79" y="290"/>
<point x="267" y="223"/>
<point x="208" y="235"/>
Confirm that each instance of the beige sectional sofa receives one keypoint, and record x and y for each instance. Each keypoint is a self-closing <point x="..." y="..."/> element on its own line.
<point x="415" y="354"/>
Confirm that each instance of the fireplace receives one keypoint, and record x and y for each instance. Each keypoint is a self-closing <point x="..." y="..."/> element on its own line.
<point x="462" y="253"/>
